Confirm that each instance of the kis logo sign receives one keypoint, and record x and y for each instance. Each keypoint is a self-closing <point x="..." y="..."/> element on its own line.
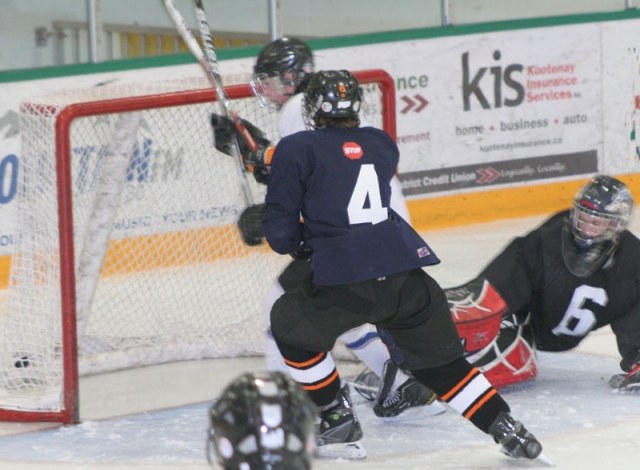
<point x="480" y="85"/>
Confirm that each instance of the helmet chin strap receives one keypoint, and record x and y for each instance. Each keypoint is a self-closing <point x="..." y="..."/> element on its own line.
<point x="583" y="260"/>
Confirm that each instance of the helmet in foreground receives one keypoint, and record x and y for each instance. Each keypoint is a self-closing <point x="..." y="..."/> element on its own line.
<point x="262" y="421"/>
<point x="601" y="211"/>
<point x="283" y="68"/>
<point x="331" y="94"/>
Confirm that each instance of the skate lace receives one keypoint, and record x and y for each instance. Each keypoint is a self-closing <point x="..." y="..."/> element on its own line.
<point x="391" y="399"/>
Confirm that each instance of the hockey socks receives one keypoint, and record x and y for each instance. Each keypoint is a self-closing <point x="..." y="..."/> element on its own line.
<point x="466" y="390"/>
<point x="366" y="344"/>
<point x="315" y="372"/>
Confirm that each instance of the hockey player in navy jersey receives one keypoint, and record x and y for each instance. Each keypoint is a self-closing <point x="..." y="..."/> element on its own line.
<point x="367" y="268"/>
<point x="281" y="73"/>
<point x="575" y="273"/>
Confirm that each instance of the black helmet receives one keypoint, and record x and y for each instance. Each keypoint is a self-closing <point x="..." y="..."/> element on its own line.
<point x="332" y="94"/>
<point x="262" y="421"/>
<point x="601" y="211"/>
<point x="286" y="55"/>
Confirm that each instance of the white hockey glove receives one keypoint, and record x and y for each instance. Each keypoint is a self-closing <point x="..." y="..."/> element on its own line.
<point x="629" y="381"/>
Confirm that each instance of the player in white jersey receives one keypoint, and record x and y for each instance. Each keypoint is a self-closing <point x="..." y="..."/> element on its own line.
<point x="282" y="71"/>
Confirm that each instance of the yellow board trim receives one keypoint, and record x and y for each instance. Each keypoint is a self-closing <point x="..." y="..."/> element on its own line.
<point x="426" y="214"/>
<point x="486" y="206"/>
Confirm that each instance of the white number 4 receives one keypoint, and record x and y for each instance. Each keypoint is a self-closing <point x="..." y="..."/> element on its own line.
<point x="366" y="186"/>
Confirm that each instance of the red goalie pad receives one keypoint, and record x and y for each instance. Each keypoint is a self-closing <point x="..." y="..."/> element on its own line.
<point x="477" y="310"/>
<point x="510" y="359"/>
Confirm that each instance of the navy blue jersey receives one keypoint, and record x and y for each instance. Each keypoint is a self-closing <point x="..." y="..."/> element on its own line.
<point x="338" y="181"/>
<point x="531" y="276"/>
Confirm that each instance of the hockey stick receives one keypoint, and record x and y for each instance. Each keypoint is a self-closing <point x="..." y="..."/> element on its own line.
<point x="209" y="64"/>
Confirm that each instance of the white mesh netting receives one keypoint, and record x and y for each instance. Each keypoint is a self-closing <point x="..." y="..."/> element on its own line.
<point x="176" y="282"/>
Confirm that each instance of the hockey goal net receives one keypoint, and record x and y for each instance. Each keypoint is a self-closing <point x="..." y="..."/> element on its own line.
<point x="128" y="251"/>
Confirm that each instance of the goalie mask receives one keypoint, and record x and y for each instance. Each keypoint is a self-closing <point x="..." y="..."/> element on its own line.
<point x="331" y="94"/>
<point x="262" y="421"/>
<point x="283" y="68"/>
<point x="601" y="211"/>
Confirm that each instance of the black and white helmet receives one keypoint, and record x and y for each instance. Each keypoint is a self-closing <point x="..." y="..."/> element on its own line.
<point x="262" y="421"/>
<point x="331" y="94"/>
<point x="282" y="69"/>
<point x="601" y="211"/>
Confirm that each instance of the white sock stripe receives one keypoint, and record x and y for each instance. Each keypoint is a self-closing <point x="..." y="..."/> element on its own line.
<point x="470" y="393"/>
<point x="320" y="371"/>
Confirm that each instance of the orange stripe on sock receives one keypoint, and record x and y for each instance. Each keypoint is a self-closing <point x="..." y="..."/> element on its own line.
<point x="321" y="384"/>
<point x="310" y="362"/>
<point x="461" y="384"/>
<point x="478" y="405"/>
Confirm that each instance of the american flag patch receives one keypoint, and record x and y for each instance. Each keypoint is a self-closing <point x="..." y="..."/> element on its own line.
<point x="424" y="251"/>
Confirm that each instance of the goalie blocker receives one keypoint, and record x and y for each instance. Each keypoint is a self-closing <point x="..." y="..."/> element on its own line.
<point x="500" y="346"/>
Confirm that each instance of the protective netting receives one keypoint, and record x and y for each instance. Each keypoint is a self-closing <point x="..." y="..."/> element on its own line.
<point x="176" y="282"/>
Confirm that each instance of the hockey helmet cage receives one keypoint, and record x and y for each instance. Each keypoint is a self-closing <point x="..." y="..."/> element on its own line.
<point x="331" y="94"/>
<point x="601" y="210"/>
<point x="262" y="421"/>
<point x="283" y="67"/>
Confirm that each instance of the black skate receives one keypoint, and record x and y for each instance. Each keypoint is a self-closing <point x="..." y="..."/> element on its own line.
<point x="410" y="394"/>
<point x="516" y="441"/>
<point x="339" y="431"/>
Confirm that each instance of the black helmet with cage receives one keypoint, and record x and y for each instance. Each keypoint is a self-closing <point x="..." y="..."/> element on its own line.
<point x="284" y="67"/>
<point x="332" y="95"/>
<point x="601" y="211"/>
<point x="262" y="421"/>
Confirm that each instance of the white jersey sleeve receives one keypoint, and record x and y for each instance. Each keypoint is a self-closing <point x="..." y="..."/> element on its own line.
<point x="291" y="120"/>
<point x="398" y="202"/>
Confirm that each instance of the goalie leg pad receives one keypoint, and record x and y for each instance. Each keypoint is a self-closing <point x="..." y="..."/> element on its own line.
<point x="510" y="358"/>
<point x="477" y="311"/>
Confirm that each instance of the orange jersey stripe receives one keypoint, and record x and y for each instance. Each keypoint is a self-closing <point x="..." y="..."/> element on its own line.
<point x="461" y="384"/>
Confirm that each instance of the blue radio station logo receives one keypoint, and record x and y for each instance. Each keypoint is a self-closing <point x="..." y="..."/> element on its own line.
<point x="8" y="178"/>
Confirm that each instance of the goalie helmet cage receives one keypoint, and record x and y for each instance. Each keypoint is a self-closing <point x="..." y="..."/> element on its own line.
<point x="173" y="280"/>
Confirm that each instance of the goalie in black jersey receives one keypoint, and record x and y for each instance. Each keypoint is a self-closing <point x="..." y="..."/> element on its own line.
<point x="367" y="268"/>
<point x="550" y="288"/>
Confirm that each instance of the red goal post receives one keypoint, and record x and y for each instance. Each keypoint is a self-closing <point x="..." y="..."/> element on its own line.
<point x="158" y="274"/>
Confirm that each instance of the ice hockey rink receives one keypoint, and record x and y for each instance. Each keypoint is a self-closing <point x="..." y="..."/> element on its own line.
<point x="156" y="417"/>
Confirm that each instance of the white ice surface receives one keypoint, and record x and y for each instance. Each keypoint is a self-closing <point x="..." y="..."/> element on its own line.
<point x="155" y="417"/>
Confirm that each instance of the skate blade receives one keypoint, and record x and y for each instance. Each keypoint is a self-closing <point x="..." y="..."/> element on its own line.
<point x="542" y="458"/>
<point x="348" y="450"/>
<point x="417" y="412"/>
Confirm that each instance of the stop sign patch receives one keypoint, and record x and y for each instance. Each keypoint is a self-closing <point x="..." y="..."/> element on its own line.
<point x="352" y="150"/>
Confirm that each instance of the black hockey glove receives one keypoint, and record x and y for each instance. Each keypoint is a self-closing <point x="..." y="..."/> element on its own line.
<point x="224" y="132"/>
<point x="250" y="224"/>
<point x="261" y="173"/>
<point x="629" y="381"/>
<point x="303" y="253"/>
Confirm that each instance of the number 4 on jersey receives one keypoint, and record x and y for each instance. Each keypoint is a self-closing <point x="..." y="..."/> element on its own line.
<point x="367" y="187"/>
